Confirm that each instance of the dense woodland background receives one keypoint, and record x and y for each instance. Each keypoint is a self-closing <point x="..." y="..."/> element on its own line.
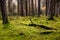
<point x="29" y="19"/>
<point x="29" y="8"/>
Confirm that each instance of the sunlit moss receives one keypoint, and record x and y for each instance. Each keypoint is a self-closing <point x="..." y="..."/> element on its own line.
<point x="15" y="30"/>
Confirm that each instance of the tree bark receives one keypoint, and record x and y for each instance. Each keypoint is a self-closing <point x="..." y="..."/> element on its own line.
<point x="32" y="7"/>
<point x="21" y="4"/>
<point x="18" y="4"/>
<point x="39" y="8"/>
<point x="47" y="7"/>
<point x="26" y="7"/>
<point x="52" y="9"/>
<point x="10" y="7"/>
<point x="4" y="11"/>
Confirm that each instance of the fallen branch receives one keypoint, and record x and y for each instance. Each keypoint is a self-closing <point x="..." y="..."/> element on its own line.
<point x="49" y="32"/>
<point x="42" y="26"/>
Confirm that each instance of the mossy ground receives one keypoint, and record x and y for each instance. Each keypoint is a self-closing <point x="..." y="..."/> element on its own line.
<point x="15" y="30"/>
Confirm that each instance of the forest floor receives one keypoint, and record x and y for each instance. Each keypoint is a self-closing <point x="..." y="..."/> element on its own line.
<point x="16" y="30"/>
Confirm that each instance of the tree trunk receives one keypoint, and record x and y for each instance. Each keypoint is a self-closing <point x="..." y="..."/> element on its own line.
<point x="4" y="11"/>
<point x="52" y="9"/>
<point x="29" y="7"/>
<point x="35" y="8"/>
<point x="18" y="4"/>
<point x="26" y="7"/>
<point x="21" y="4"/>
<point x="10" y="6"/>
<point x="47" y="6"/>
<point x="32" y="7"/>
<point x="39" y="8"/>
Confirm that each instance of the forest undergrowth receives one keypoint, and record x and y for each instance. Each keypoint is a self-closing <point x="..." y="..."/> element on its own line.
<point x="21" y="28"/>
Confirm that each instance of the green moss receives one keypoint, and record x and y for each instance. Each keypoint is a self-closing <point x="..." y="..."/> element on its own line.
<point x="17" y="31"/>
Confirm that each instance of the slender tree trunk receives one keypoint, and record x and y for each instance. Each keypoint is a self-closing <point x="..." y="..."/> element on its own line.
<point x="4" y="11"/>
<point x="21" y="4"/>
<point x="35" y="8"/>
<point x="10" y="6"/>
<point x="26" y="8"/>
<point x="52" y="9"/>
<point x="32" y="7"/>
<point x="47" y="6"/>
<point x="29" y="7"/>
<point x="18" y="4"/>
<point x="56" y="10"/>
<point x="38" y="7"/>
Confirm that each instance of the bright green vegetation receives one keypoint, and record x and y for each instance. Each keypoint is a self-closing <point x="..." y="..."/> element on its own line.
<point x="15" y="30"/>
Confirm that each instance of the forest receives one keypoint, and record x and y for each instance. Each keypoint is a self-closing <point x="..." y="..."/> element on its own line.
<point x="29" y="19"/>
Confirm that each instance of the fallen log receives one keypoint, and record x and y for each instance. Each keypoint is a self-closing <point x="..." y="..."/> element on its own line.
<point x="49" y="32"/>
<point x="42" y="26"/>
